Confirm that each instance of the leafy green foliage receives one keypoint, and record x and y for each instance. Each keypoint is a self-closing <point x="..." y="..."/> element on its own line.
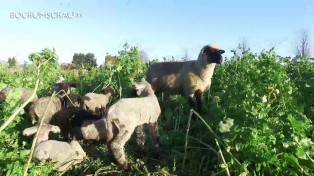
<point x="260" y="108"/>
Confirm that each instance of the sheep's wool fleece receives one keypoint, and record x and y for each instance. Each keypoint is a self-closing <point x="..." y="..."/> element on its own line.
<point x="130" y="112"/>
<point x="25" y="94"/>
<point x="94" y="130"/>
<point x="94" y="100"/>
<point x="63" y="153"/>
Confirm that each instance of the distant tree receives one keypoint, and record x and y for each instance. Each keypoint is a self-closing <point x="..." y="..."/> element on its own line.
<point x="86" y="60"/>
<point x="12" y="62"/>
<point x="303" y="45"/>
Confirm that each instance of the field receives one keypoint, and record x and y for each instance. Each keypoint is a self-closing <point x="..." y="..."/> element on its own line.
<point x="257" y="118"/>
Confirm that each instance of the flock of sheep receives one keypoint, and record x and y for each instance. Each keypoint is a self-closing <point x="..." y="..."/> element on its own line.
<point x="87" y="117"/>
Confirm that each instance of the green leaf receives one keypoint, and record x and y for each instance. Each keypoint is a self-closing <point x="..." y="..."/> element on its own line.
<point x="293" y="161"/>
<point x="225" y="127"/>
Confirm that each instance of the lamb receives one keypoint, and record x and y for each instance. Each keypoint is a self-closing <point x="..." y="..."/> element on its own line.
<point x="63" y="106"/>
<point x="122" y="118"/>
<point x="96" y="103"/>
<point x="26" y="94"/>
<point x="191" y="78"/>
<point x="58" y="106"/>
<point x="64" y="154"/>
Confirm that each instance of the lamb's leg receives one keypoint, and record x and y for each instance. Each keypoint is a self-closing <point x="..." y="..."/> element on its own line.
<point x="191" y="102"/>
<point x="65" y="126"/>
<point x="153" y="127"/>
<point x="140" y="138"/>
<point x="198" y="95"/>
<point x="117" y="148"/>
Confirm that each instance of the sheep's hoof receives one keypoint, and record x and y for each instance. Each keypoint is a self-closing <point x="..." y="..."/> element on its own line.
<point x="126" y="167"/>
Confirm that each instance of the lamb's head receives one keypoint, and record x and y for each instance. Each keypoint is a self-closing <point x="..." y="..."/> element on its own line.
<point x="63" y="88"/>
<point x="43" y="133"/>
<point x="109" y="90"/>
<point x="73" y="100"/>
<point x="211" y="54"/>
<point x="143" y="88"/>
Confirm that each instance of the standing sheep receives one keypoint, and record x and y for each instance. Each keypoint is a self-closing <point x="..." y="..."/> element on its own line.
<point x="96" y="103"/>
<point x="64" y="154"/>
<point x="121" y="119"/>
<point x="191" y="78"/>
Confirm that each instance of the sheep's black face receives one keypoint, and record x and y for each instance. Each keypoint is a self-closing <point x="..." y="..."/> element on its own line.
<point x="64" y="88"/>
<point x="214" y="55"/>
<point x="109" y="90"/>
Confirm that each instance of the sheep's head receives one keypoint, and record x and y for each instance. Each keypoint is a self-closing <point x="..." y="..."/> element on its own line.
<point x="73" y="100"/>
<point x="43" y="133"/>
<point x="63" y="88"/>
<point x="109" y="90"/>
<point x="143" y="88"/>
<point x="211" y="54"/>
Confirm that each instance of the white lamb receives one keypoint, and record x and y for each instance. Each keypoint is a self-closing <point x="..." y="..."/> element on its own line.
<point x="64" y="154"/>
<point x="122" y="118"/>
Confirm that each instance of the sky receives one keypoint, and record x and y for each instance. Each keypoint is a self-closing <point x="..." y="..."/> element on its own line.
<point x="161" y="28"/>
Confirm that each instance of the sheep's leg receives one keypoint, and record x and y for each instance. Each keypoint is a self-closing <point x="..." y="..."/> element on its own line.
<point x="117" y="148"/>
<point x="191" y="102"/>
<point x="140" y="138"/>
<point x="65" y="126"/>
<point x="153" y="127"/>
<point x="198" y="95"/>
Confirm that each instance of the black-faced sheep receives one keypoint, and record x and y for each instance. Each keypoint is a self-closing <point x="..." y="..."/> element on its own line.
<point x="68" y="105"/>
<point x="190" y="78"/>
<point x="62" y="107"/>
<point x="62" y="88"/>
<point x="64" y="154"/>
<point x="121" y="119"/>
<point x="96" y="103"/>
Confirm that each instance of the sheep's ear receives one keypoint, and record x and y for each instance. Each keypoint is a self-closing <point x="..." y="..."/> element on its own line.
<point x="72" y="84"/>
<point x="204" y="49"/>
<point x="30" y="131"/>
<point x="221" y="51"/>
<point x="54" y="129"/>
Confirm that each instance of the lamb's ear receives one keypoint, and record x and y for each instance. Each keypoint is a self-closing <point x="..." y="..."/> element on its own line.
<point x="204" y="49"/>
<point x="30" y="131"/>
<point x="221" y="51"/>
<point x="72" y="84"/>
<point x="54" y="129"/>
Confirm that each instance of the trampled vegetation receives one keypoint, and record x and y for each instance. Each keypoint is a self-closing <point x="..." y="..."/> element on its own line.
<point x="257" y="118"/>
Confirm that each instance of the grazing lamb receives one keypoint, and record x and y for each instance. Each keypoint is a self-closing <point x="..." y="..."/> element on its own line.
<point x="191" y="78"/>
<point x="64" y="154"/>
<point x="26" y="94"/>
<point x="58" y="106"/>
<point x="96" y="103"/>
<point x="121" y="119"/>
